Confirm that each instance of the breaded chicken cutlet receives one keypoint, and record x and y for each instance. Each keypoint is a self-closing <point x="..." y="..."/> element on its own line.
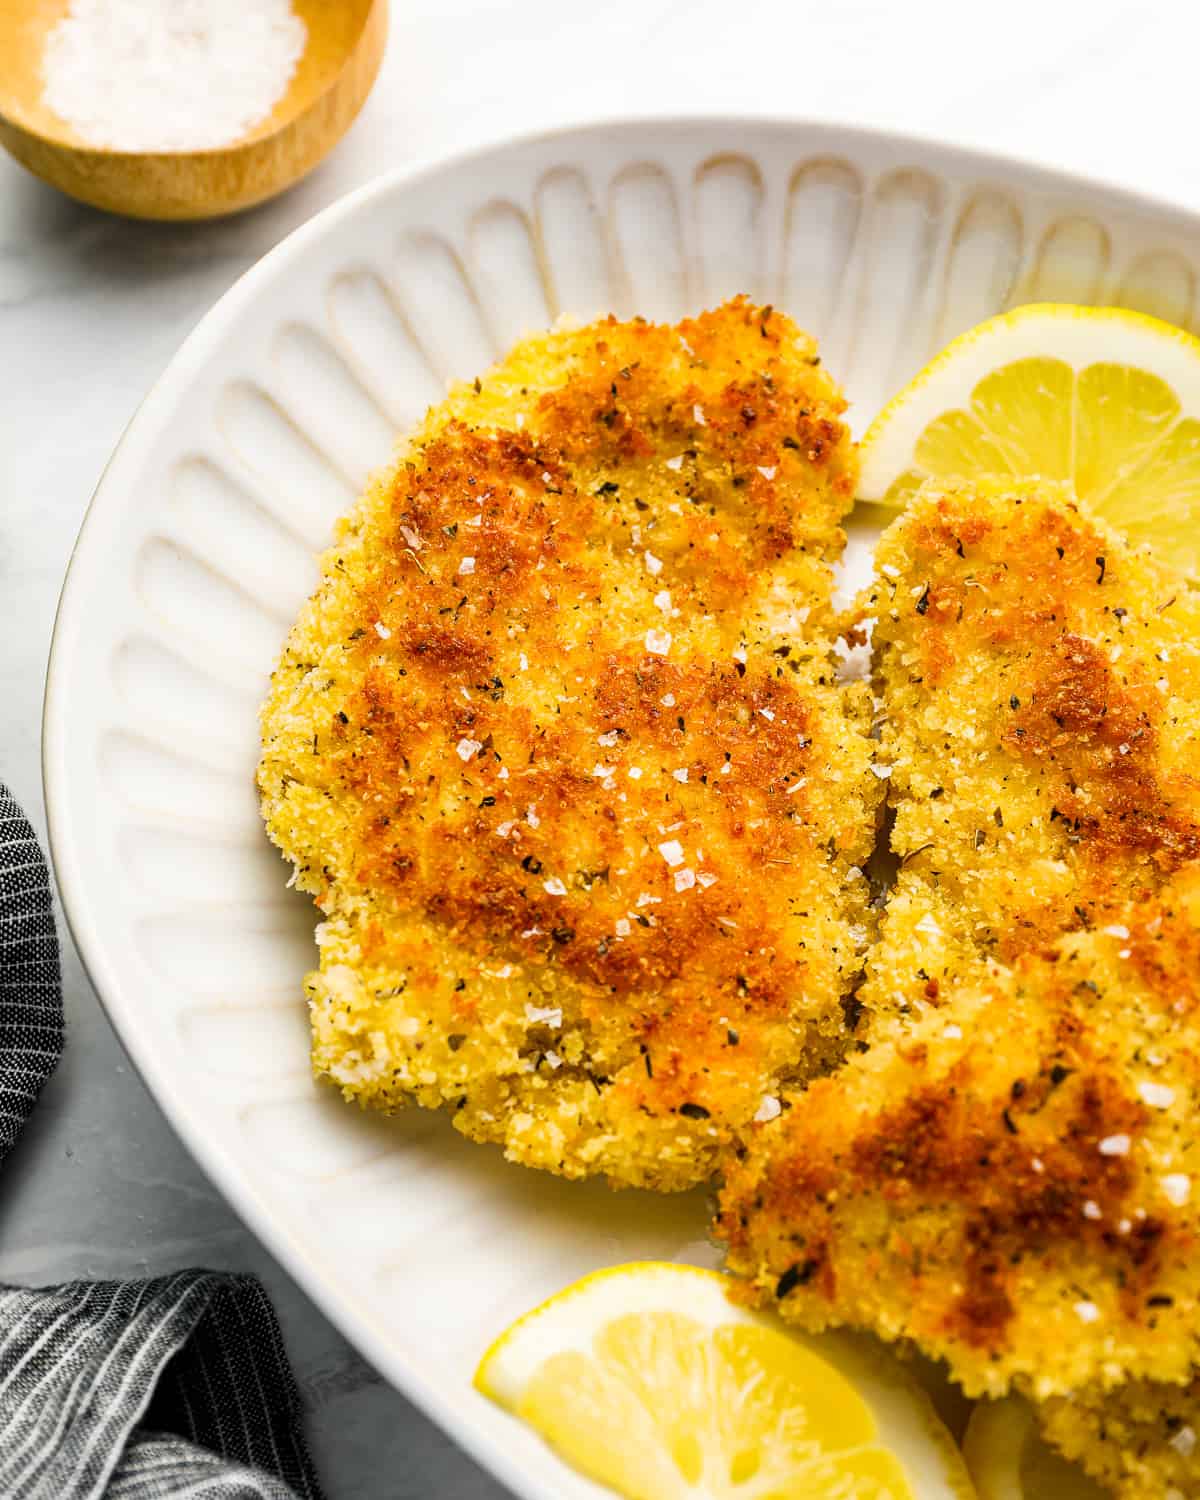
<point x="557" y="749"/>
<point x="1041" y="692"/>
<point x="1003" y="1176"/>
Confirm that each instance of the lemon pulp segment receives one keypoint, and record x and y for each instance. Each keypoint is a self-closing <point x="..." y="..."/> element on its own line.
<point x="646" y="1379"/>
<point x="1110" y="403"/>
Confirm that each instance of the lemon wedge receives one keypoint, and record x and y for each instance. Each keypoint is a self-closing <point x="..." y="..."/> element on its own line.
<point x="648" y="1379"/>
<point x="1009" y="1461"/>
<point x="1102" y="397"/>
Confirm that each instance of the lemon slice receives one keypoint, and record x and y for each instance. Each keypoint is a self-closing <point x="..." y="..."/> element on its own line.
<point x="648" y="1379"/>
<point x="1009" y="1461"/>
<point x="1102" y="397"/>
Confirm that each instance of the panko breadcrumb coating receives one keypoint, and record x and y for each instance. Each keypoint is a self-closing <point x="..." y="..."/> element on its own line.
<point x="1003" y="1176"/>
<point x="1141" y="1440"/>
<point x="1041" y="685"/>
<point x="557" y="749"/>
<point x="1007" y="1185"/>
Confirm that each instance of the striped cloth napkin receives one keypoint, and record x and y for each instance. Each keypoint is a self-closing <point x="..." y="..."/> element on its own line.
<point x="143" y="1390"/>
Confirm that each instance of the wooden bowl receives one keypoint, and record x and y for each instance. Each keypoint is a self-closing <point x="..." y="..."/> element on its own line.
<point x="331" y="82"/>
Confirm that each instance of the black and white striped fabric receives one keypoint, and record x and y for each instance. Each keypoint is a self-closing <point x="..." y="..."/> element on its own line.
<point x="142" y="1390"/>
<point x="31" y="1013"/>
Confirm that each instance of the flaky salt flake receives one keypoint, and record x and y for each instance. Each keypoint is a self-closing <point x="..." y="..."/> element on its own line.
<point x="552" y="1059"/>
<point x="1091" y="1210"/>
<point x="467" y="565"/>
<point x="740" y="655"/>
<point x="622" y="927"/>
<point x="883" y="772"/>
<point x="1115" y="1145"/>
<point x="672" y="851"/>
<point x="413" y="538"/>
<point x="662" y="600"/>
<point x="1087" y="1312"/>
<point x="658" y="642"/>
<point x="1184" y="1441"/>
<point x="952" y="1032"/>
<point x="1177" y="1188"/>
<point x="890" y="571"/>
<point x="675" y="463"/>
<point x="767" y="471"/>
<point x="531" y="816"/>
<point x="1037" y="1164"/>
<point x="681" y="774"/>
<point x="929" y="926"/>
<point x="769" y="1109"/>
<point x="646" y="899"/>
<point x="554" y="886"/>
<point x="767" y="714"/>
<point x="522" y="663"/>
<point x="667" y="700"/>
<point x="382" y="631"/>
<point x="503" y="830"/>
<point x="1116" y="930"/>
<point x="706" y="879"/>
<point x="467" y="748"/>
<point x="608" y="739"/>
<point x="603" y="771"/>
<point x="544" y="1015"/>
<point x="653" y="564"/>
<point x="698" y="415"/>
<point x="634" y="773"/>
<point x="1156" y="1095"/>
<point x="685" y="879"/>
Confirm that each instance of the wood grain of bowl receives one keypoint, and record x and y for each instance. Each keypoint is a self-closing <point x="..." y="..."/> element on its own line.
<point x="330" y="85"/>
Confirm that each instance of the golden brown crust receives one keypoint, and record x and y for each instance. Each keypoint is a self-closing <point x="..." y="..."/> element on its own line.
<point x="557" y="748"/>
<point x="1004" y="1177"/>
<point x="1141" y="1440"/>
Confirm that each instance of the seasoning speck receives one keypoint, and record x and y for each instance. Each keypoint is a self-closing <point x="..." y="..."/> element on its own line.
<point x="544" y="1015"/>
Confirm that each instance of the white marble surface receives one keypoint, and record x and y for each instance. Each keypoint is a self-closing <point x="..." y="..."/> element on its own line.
<point x="92" y="308"/>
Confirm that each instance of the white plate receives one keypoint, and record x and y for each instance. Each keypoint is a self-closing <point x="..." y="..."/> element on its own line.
<point x="197" y="552"/>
